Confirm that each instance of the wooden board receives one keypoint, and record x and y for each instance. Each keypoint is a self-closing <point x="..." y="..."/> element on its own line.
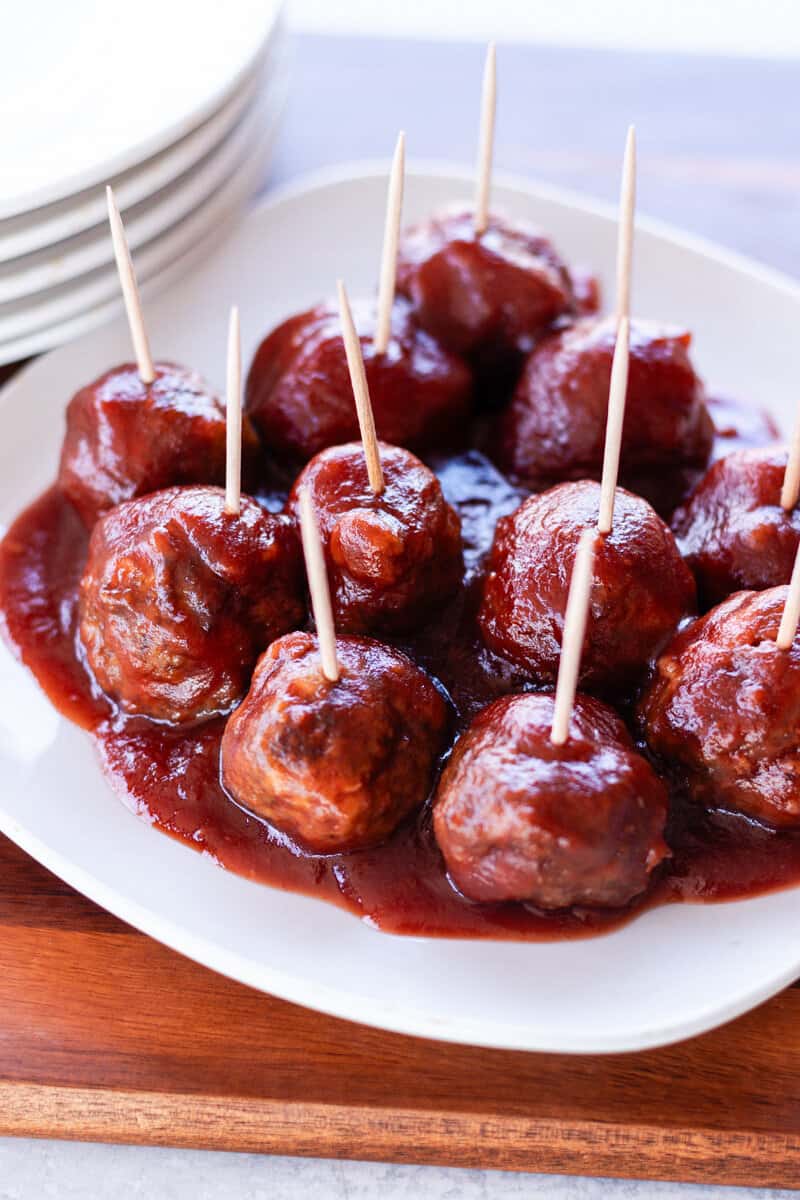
<point x="106" y="1035"/>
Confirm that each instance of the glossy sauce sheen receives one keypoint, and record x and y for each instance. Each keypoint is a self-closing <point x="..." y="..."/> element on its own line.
<point x="171" y="777"/>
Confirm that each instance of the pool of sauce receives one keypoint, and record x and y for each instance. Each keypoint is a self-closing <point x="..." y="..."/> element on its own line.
<point x="170" y="777"/>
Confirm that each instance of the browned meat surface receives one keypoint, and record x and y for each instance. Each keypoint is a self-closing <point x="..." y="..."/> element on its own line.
<point x="723" y="709"/>
<point x="336" y="766"/>
<point x="179" y="598"/>
<point x="300" y="399"/>
<point x="733" y="532"/>
<point x="641" y="588"/>
<point x="518" y="818"/>
<point x="125" y="438"/>
<point x="392" y="559"/>
<point x="554" y="428"/>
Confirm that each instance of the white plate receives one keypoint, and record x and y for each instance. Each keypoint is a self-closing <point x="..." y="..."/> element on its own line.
<point x="44" y="227"/>
<point x="23" y="281"/>
<point x="239" y="169"/>
<point x="112" y="84"/>
<point x="672" y="972"/>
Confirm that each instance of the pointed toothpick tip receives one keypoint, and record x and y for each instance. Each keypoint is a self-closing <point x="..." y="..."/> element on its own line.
<point x="233" y="417"/>
<point x="627" y="217"/>
<point x="575" y="621"/>
<point x="791" y="609"/>
<point x="486" y="140"/>
<point x="318" y="585"/>
<point x="358" y="382"/>
<point x="130" y="290"/>
<point x="615" y="420"/>
<point x="790" y="491"/>
<point x="391" y="241"/>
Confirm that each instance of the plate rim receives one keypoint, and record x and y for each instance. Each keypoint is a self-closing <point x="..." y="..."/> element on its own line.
<point x="339" y="1002"/>
<point x="29" y="201"/>
<point x="86" y="209"/>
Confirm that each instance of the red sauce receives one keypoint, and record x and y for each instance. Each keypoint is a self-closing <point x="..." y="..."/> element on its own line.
<point x="171" y="777"/>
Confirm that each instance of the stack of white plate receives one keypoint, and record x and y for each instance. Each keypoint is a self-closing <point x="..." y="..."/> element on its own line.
<point x="174" y="104"/>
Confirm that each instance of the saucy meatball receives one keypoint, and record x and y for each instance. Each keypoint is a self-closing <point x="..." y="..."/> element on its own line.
<point x="518" y="818"/>
<point x="641" y="587"/>
<point x="392" y="559"/>
<point x="336" y="766"/>
<point x="126" y="438"/>
<point x="554" y="428"/>
<point x="723" y="709"/>
<point x="733" y="532"/>
<point x="179" y="597"/>
<point x="300" y="398"/>
<point x="487" y="296"/>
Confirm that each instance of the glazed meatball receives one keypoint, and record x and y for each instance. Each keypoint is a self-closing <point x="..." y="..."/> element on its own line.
<point x="179" y="598"/>
<point x="392" y="559"/>
<point x="518" y="818"/>
<point x="126" y="438"/>
<point x="486" y="296"/>
<point x="336" y="766"/>
<point x="640" y="592"/>
<point x="723" y="709"/>
<point x="554" y="428"/>
<point x="733" y="532"/>
<point x="300" y="398"/>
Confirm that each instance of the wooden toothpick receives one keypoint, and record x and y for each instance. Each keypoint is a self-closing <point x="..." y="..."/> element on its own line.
<point x="575" y="619"/>
<point x="391" y="238"/>
<point x="791" y="609"/>
<point x="318" y="586"/>
<point x="358" y="381"/>
<point x="627" y="209"/>
<point x="233" y="411"/>
<point x="614" y="422"/>
<point x="130" y="291"/>
<point x="486" y="140"/>
<point x="618" y="386"/>
<point x="791" y="478"/>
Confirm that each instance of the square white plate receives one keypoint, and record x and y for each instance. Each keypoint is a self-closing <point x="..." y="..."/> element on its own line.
<point x="670" y="973"/>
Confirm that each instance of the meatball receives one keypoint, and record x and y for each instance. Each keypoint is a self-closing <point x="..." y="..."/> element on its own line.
<point x="126" y="438"/>
<point x="300" y="398"/>
<point x="640" y="592"/>
<point x="733" y="532"/>
<point x="487" y="296"/>
<point x="554" y="428"/>
<point x="723" y="708"/>
<point x="392" y="559"/>
<point x="179" y="598"/>
<point x="336" y="766"/>
<point x="518" y="818"/>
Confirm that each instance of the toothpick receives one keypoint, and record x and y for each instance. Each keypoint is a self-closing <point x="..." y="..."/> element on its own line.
<point x="791" y="478"/>
<point x="619" y="367"/>
<point x="130" y="291"/>
<point x="391" y="237"/>
<point x="627" y="207"/>
<point x="318" y="586"/>
<point x="791" y="609"/>
<point x="486" y="140"/>
<point x="614" y="421"/>
<point x="233" y="408"/>
<point x="575" y="619"/>
<point x="358" y="381"/>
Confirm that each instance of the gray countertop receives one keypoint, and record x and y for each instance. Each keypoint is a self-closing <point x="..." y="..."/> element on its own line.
<point x="73" y="1171"/>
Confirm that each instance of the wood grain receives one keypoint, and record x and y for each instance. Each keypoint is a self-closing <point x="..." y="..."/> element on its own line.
<point x="106" y="1035"/>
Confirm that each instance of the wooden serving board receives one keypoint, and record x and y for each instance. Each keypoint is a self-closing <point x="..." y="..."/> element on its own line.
<point x="105" y="1035"/>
